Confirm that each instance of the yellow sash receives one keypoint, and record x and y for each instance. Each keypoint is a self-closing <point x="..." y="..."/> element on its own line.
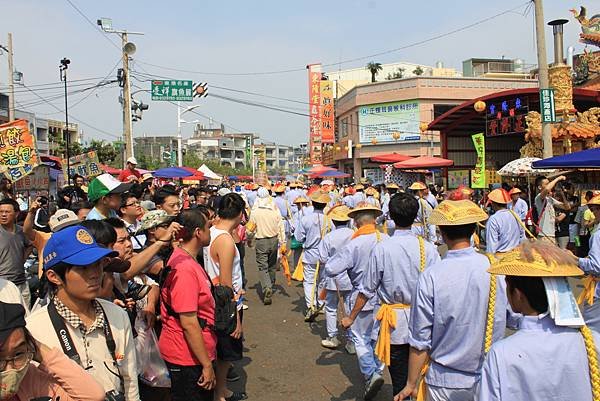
<point x="299" y="272"/>
<point x="387" y="316"/>
<point x="285" y="264"/>
<point x="589" y="290"/>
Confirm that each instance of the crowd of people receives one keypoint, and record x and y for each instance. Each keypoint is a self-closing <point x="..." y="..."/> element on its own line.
<point x="116" y="288"/>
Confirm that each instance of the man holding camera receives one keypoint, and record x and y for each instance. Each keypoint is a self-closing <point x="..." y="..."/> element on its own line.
<point x="545" y="205"/>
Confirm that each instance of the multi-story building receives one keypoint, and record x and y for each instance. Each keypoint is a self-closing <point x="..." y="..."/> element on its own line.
<point x="57" y="135"/>
<point x="161" y="148"/>
<point x="231" y="150"/>
<point x="280" y="158"/>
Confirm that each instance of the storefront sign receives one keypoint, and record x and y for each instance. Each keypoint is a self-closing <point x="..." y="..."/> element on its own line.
<point x="506" y="117"/>
<point x="314" y="105"/>
<point x="327" y="113"/>
<point x="457" y="178"/>
<point x="18" y="152"/>
<point x="381" y="121"/>
<point x="478" y="174"/>
<point x="547" y="105"/>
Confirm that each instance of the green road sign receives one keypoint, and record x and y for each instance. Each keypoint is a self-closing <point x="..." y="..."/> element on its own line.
<point x="547" y="105"/>
<point x="171" y="90"/>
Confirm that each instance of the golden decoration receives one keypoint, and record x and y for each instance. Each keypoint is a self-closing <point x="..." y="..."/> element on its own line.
<point x="396" y="135"/>
<point x="479" y="106"/>
<point x="374" y="141"/>
<point x="561" y="81"/>
<point x="358" y="145"/>
<point x="423" y="127"/>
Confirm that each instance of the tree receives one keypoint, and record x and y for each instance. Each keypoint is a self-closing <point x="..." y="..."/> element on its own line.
<point x="418" y="71"/>
<point x="374" y="69"/>
<point x="398" y="74"/>
<point x="106" y="152"/>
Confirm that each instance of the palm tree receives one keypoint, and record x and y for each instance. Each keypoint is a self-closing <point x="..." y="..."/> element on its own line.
<point x="374" y="69"/>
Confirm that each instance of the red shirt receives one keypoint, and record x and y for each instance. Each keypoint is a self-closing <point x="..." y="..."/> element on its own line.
<point x="186" y="289"/>
<point x="126" y="175"/>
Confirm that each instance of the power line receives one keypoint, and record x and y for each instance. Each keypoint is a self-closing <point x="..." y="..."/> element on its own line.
<point x="56" y="82"/>
<point x="95" y="26"/>
<point x="407" y="46"/>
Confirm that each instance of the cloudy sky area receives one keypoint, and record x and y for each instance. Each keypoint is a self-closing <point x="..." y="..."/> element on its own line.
<point x="216" y="38"/>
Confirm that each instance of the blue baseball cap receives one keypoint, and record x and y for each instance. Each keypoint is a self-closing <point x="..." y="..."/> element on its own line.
<point x="74" y="245"/>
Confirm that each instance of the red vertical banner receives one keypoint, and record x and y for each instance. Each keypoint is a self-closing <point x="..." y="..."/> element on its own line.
<point x="314" y="101"/>
<point x="327" y="119"/>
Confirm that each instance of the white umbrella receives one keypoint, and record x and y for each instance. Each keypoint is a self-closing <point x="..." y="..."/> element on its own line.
<point x="522" y="168"/>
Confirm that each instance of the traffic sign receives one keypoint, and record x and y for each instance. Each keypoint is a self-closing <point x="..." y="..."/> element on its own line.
<point x="547" y="105"/>
<point x="172" y="90"/>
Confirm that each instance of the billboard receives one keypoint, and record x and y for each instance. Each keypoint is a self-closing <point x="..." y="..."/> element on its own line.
<point x="314" y="111"/>
<point x="327" y="113"/>
<point x="380" y="121"/>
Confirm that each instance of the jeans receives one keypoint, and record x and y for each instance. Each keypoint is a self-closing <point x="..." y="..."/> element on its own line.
<point x="361" y="331"/>
<point x="399" y="366"/>
<point x="184" y="383"/>
<point x="331" y="315"/>
<point x="266" y="260"/>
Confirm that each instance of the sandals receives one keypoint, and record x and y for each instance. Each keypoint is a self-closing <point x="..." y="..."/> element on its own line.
<point x="237" y="396"/>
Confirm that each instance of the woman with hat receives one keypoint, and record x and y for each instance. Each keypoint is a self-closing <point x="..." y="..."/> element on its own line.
<point x="547" y="358"/>
<point x="458" y="309"/>
<point x="371" y="194"/>
<point x="359" y="195"/>
<point x="504" y="230"/>
<point x="354" y="259"/>
<point x="518" y="205"/>
<point x="391" y="189"/>
<point x="340" y="285"/>
<point x="310" y="231"/>
<point x="591" y="267"/>
<point x="422" y="225"/>
<point x="56" y="377"/>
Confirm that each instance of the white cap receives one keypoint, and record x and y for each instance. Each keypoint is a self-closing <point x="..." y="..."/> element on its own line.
<point x="132" y="160"/>
<point x="61" y="219"/>
<point x="223" y="191"/>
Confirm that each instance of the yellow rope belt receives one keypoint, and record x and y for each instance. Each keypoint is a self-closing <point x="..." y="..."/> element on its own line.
<point x="590" y="348"/>
<point x="387" y="316"/>
<point x="589" y="290"/>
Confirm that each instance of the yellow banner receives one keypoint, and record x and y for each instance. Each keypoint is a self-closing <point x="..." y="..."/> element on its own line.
<point x="18" y="153"/>
<point x="478" y="174"/>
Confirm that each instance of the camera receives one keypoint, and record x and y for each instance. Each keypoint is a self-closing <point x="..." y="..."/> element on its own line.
<point x="114" y="395"/>
<point x="137" y="291"/>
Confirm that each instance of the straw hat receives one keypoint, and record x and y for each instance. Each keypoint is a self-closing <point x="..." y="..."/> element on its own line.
<point x="254" y="186"/>
<point x="517" y="263"/>
<point x="359" y="187"/>
<point x="499" y="195"/>
<point x="456" y="213"/>
<point x="279" y="188"/>
<point x="417" y="186"/>
<point x="515" y="190"/>
<point x="339" y="213"/>
<point x="594" y="201"/>
<point x="392" y="185"/>
<point x="301" y="199"/>
<point x="365" y="207"/>
<point x="371" y="191"/>
<point x="320" y="197"/>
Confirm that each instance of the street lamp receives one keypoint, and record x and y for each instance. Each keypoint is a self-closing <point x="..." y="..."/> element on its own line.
<point x="64" y="65"/>
<point x="179" y="138"/>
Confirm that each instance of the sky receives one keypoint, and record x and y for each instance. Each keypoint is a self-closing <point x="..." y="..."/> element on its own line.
<point x="212" y="40"/>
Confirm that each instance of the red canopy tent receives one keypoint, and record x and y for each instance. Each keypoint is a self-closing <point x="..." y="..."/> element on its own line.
<point x="424" y="162"/>
<point x="390" y="158"/>
<point x="197" y="175"/>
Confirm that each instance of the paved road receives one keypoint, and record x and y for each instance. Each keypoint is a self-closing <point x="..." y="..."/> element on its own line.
<point x="284" y="360"/>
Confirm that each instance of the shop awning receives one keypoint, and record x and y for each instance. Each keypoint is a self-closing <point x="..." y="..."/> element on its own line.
<point x="584" y="159"/>
<point x="390" y="158"/>
<point x="424" y="162"/>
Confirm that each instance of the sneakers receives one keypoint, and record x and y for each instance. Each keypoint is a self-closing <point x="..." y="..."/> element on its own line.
<point x="373" y="386"/>
<point x="267" y="296"/>
<point x="350" y="348"/>
<point x="330" y="342"/>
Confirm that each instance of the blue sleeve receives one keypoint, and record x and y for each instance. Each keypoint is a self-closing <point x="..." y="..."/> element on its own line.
<point x="339" y="263"/>
<point x="421" y="314"/>
<point x="489" y="385"/>
<point x="300" y="232"/>
<point x="324" y="249"/>
<point x="491" y="237"/>
<point x="432" y="256"/>
<point x="591" y="264"/>
<point x="374" y="273"/>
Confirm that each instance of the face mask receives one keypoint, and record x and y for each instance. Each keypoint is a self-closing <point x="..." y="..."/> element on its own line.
<point x="10" y="380"/>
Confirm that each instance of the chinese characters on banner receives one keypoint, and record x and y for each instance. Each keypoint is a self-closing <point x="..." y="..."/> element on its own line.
<point x="18" y="153"/>
<point x="547" y="105"/>
<point x="38" y="180"/>
<point x="478" y="174"/>
<point x="314" y="104"/>
<point x="327" y="113"/>
<point x="86" y="165"/>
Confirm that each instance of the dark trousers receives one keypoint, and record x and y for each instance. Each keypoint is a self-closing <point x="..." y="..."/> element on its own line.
<point x="399" y="366"/>
<point x="584" y="246"/>
<point x="184" y="384"/>
<point x="241" y="246"/>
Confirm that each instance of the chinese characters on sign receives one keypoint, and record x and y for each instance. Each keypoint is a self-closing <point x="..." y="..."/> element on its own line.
<point x="506" y="117"/>
<point x="478" y="174"/>
<point x="38" y="180"/>
<point x="381" y="121"/>
<point x="327" y="113"/>
<point x="547" y="105"/>
<point x="172" y="90"/>
<point x="18" y="153"/>
<point x="456" y="178"/>
<point x="86" y="165"/>
<point x="260" y="152"/>
<point x="314" y="104"/>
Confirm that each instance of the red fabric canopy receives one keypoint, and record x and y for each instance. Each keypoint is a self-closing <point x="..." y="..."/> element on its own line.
<point x="424" y="162"/>
<point x="319" y="169"/>
<point x="390" y="158"/>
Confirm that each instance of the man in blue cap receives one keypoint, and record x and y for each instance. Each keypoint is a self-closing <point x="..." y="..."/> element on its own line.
<point x="93" y="332"/>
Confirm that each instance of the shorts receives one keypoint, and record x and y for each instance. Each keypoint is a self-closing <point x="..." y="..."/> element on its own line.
<point x="230" y="349"/>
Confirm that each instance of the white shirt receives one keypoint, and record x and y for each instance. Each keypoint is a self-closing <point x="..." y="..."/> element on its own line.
<point x="10" y="294"/>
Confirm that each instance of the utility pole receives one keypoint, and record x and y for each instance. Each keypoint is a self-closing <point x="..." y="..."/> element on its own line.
<point x="64" y="65"/>
<point x="179" y="138"/>
<point x="127" y="121"/>
<point x="11" y="84"/>
<point x="544" y="80"/>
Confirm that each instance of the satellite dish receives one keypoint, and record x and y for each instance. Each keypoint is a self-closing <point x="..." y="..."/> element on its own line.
<point x="129" y="48"/>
